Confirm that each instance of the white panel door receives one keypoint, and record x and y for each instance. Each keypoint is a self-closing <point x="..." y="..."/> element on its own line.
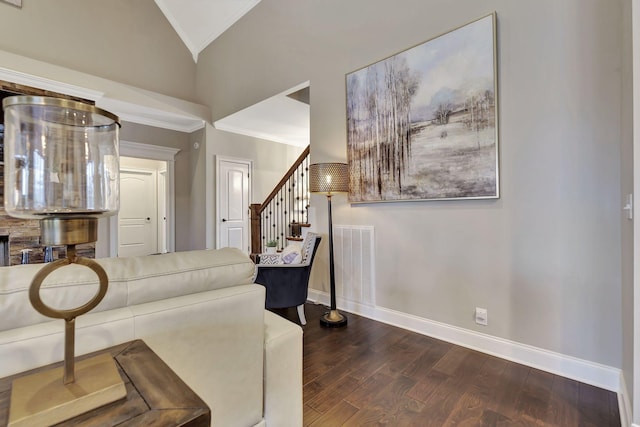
<point x="233" y="204"/>
<point x="137" y="219"/>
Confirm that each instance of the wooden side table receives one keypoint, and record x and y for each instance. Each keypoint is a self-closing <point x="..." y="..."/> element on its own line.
<point x="155" y="394"/>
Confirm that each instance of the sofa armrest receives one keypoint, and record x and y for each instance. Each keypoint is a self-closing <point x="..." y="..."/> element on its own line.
<point x="282" y="372"/>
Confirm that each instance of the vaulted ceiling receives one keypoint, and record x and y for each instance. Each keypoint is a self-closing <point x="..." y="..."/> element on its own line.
<point x="282" y="118"/>
<point x="199" y="22"/>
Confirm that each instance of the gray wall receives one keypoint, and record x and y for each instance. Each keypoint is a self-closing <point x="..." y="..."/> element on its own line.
<point x="626" y="188"/>
<point x="197" y="192"/>
<point x="546" y="258"/>
<point x="126" y="41"/>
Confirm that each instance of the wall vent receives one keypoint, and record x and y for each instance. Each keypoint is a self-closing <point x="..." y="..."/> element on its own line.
<point x="354" y="261"/>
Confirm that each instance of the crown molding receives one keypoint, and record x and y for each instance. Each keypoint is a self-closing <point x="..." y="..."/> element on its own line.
<point x="136" y="113"/>
<point x="127" y="111"/>
<point x="256" y="134"/>
<point x="48" y="84"/>
<point x="147" y="151"/>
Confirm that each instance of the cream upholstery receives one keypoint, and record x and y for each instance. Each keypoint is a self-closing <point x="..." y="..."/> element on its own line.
<point x="284" y="344"/>
<point x="197" y="310"/>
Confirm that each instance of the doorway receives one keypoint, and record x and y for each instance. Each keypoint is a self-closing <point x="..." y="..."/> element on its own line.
<point x="233" y="197"/>
<point x="142" y="216"/>
<point x="141" y="151"/>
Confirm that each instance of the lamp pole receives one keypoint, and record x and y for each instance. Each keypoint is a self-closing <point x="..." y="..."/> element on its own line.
<point x="332" y="319"/>
<point x="332" y="273"/>
<point x="327" y="179"/>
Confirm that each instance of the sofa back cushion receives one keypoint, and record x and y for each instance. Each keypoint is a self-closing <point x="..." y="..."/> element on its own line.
<point x="133" y="280"/>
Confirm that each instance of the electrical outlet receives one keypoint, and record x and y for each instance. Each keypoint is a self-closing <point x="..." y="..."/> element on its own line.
<point x="481" y="316"/>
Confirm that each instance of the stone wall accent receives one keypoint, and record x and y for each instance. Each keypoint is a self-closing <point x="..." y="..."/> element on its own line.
<point x="25" y="234"/>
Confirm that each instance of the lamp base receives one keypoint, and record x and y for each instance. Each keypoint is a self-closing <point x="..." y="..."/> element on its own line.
<point x="333" y="319"/>
<point x="41" y="399"/>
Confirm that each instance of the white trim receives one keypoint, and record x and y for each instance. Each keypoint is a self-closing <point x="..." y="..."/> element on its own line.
<point x="184" y="36"/>
<point x="151" y="152"/>
<point x="47" y="84"/>
<point x="596" y="374"/>
<point x="635" y="44"/>
<point x="148" y="151"/>
<point x="163" y="225"/>
<point x="247" y="131"/>
<point x="624" y="404"/>
<point x="209" y="191"/>
<point x="127" y="111"/>
<point x="143" y="115"/>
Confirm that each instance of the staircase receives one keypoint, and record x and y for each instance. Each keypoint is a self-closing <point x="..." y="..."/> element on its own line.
<point x="285" y="211"/>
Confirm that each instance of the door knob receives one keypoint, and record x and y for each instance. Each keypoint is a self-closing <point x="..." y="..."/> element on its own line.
<point x="224" y="220"/>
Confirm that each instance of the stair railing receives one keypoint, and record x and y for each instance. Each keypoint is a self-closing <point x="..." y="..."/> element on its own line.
<point x="285" y="210"/>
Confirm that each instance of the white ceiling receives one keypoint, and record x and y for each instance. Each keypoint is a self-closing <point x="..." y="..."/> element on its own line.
<point x="199" y="22"/>
<point x="279" y="118"/>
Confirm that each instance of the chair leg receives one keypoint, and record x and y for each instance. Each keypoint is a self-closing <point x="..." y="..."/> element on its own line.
<point x="303" y="320"/>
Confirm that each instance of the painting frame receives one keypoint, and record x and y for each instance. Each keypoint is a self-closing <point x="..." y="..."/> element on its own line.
<point x="422" y="124"/>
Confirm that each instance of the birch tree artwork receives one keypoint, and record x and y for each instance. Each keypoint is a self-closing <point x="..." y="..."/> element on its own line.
<point x="422" y="124"/>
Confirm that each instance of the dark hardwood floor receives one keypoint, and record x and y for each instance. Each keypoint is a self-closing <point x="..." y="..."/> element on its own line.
<point x="370" y="373"/>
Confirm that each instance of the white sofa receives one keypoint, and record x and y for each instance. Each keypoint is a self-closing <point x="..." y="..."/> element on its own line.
<point x="198" y="310"/>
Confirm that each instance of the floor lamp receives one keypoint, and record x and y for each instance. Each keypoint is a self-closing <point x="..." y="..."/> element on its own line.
<point x="328" y="179"/>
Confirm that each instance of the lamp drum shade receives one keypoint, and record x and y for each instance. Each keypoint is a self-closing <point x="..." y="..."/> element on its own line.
<point x="328" y="178"/>
<point x="61" y="159"/>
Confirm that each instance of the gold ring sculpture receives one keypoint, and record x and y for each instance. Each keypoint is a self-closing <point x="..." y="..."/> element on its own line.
<point x="69" y="316"/>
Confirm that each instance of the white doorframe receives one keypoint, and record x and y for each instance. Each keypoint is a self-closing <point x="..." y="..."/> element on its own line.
<point x="162" y="211"/>
<point x="635" y="43"/>
<point x="249" y="164"/>
<point x="150" y="152"/>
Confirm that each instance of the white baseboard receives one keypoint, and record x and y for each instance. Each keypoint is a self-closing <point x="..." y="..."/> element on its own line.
<point x="623" y="404"/>
<point x="581" y="370"/>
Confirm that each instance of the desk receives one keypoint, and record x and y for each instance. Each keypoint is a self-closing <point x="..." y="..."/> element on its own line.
<point x="155" y="394"/>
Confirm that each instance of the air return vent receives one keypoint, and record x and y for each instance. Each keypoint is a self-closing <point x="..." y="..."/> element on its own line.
<point x="354" y="255"/>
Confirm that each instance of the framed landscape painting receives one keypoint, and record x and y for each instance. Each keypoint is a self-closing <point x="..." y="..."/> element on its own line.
<point x="422" y="124"/>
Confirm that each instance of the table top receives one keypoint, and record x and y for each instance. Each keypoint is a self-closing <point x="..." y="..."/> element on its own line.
<point x="155" y="394"/>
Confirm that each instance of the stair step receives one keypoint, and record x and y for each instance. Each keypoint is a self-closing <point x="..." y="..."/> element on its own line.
<point x="296" y="230"/>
